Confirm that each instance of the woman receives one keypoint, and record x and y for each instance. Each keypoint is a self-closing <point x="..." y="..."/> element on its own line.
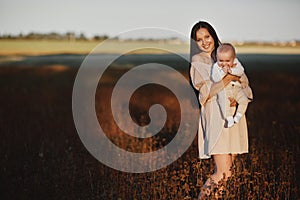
<point x="213" y="139"/>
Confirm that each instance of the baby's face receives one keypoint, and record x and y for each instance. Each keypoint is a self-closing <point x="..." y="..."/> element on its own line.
<point x="225" y="59"/>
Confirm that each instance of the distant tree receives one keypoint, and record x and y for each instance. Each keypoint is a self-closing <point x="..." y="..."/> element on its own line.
<point x="53" y="36"/>
<point x="82" y="37"/>
<point x="9" y="36"/>
<point x="102" y="37"/>
<point x="31" y="35"/>
<point x="20" y="36"/>
<point x="70" y="36"/>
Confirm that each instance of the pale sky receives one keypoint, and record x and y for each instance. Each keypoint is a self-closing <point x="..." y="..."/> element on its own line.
<point x="234" y="20"/>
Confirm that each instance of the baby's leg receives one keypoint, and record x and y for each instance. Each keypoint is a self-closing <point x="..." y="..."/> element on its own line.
<point x="242" y="101"/>
<point x="228" y="115"/>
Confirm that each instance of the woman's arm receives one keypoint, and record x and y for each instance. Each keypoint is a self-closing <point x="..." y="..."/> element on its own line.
<point x="245" y="85"/>
<point x="228" y="78"/>
<point x="201" y="80"/>
<point x="218" y="86"/>
<point x="200" y="74"/>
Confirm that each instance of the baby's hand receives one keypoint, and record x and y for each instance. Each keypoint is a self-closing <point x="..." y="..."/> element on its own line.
<point x="225" y="69"/>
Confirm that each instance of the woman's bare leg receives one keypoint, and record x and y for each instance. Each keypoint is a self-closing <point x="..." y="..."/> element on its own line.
<point x="223" y="164"/>
<point x="233" y="156"/>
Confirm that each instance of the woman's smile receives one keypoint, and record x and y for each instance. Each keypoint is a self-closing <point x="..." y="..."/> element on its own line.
<point x="206" y="46"/>
<point x="204" y="40"/>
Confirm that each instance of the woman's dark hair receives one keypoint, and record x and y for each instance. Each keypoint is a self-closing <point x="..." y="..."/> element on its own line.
<point x="194" y="48"/>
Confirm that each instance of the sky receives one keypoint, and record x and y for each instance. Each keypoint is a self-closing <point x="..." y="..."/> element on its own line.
<point x="234" y="20"/>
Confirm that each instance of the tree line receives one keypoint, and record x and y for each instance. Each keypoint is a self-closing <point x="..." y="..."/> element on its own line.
<point x="71" y="36"/>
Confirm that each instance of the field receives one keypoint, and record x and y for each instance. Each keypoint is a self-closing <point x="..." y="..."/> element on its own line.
<point x="46" y="47"/>
<point x="42" y="156"/>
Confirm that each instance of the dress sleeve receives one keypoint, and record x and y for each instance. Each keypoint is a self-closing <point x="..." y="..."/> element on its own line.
<point x="216" y="88"/>
<point x="246" y="88"/>
<point x="200" y="80"/>
<point x="200" y="75"/>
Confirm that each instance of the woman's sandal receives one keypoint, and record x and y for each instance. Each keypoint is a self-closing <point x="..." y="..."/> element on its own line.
<point x="219" y="192"/>
<point x="206" y="189"/>
<point x="211" y="188"/>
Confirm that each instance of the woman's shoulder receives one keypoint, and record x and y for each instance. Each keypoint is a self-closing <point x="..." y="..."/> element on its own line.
<point x="198" y="58"/>
<point x="202" y="58"/>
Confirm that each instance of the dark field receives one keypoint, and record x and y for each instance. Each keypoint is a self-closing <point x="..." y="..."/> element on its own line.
<point x="42" y="156"/>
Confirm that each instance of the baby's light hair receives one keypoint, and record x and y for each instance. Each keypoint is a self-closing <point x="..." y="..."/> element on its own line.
<point x="225" y="47"/>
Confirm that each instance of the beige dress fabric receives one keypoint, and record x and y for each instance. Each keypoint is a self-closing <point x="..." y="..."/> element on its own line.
<point x="213" y="138"/>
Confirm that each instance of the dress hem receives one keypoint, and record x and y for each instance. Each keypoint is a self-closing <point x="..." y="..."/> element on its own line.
<point x="240" y="152"/>
<point x="209" y="156"/>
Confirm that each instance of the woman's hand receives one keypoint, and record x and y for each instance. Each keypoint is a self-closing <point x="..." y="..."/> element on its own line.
<point x="229" y="77"/>
<point x="233" y="102"/>
<point x="226" y="80"/>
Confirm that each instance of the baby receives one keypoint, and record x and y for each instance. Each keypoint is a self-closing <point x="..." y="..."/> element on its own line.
<point x="228" y="63"/>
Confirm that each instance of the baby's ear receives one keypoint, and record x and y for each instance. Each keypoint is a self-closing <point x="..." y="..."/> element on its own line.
<point x="234" y="64"/>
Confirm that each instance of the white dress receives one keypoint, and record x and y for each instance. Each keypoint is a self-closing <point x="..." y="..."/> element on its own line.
<point x="213" y="138"/>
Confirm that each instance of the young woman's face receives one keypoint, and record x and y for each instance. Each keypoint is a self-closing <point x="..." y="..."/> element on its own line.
<point x="205" y="41"/>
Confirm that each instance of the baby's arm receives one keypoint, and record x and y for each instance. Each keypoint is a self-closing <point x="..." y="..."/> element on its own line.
<point x="238" y="70"/>
<point x="217" y="73"/>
